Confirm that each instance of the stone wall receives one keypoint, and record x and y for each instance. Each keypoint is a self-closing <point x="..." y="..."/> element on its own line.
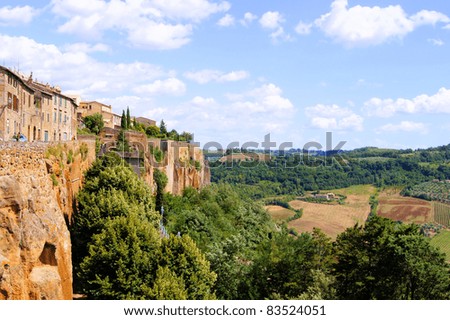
<point x="38" y="182"/>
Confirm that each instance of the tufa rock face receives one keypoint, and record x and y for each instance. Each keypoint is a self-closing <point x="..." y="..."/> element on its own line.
<point x="35" y="247"/>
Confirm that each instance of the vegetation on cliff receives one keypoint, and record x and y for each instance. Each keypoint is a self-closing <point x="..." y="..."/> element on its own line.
<point x="224" y="245"/>
<point x="118" y="252"/>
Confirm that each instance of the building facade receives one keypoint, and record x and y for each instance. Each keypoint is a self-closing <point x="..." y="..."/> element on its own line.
<point x="35" y="110"/>
<point x="88" y="108"/>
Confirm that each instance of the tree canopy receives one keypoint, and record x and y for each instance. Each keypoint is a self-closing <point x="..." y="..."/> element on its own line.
<point x="94" y="123"/>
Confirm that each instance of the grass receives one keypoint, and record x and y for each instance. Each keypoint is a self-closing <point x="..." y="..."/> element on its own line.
<point x="442" y="241"/>
<point x="279" y="213"/>
<point x="357" y="190"/>
<point x="333" y="219"/>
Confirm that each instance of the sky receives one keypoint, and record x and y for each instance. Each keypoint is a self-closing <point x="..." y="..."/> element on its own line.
<point x="374" y="73"/>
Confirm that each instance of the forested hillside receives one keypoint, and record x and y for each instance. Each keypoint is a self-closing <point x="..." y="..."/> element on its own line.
<point x="222" y="244"/>
<point x="295" y="172"/>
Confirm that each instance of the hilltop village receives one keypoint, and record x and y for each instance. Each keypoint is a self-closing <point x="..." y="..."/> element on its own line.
<point x="31" y="111"/>
<point x="42" y="112"/>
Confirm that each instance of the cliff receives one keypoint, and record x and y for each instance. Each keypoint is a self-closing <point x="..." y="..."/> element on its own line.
<point x="182" y="162"/>
<point x="37" y="184"/>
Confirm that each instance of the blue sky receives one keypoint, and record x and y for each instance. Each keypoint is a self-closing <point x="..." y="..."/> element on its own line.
<point x="375" y="73"/>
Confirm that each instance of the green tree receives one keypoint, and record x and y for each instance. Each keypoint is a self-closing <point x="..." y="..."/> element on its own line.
<point x="152" y="131"/>
<point x="118" y="252"/>
<point x="168" y="286"/>
<point x="186" y="136"/>
<point x="94" y="123"/>
<point x="128" y="118"/>
<point x="227" y="259"/>
<point x="123" y="121"/>
<point x="129" y="260"/>
<point x="184" y="258"/>
<point x="163" y="128"/>
<point x="388" y="260"/>
<point x="161" y="181"/>
<point x="122" y="142"/>
<point x="173" y="135"/>
<point x="111" y="190"/>
<point x="287" y="267"/>
<point x="122" y="260"/>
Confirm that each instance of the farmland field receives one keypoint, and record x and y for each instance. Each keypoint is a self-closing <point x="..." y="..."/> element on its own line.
<point x="441" y="213"/>
<point x="442" y="241"/>
<point x="333" y="219"/>
<point x="279" y="213"/>
<point x="393" y="206"/>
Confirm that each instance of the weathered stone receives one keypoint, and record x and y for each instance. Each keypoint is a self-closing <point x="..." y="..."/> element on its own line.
<point x="35" y="247"/>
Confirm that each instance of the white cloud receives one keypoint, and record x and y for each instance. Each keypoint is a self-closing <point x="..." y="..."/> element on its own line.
<point x="267" y="98"/>
<point x="334" y="117"/>
<point x="363" y="26"/>
<point x="11" y="16"/>
<point x="405" y="126"/>
<point x="160" y="36"/>
<point x="273" y="20"/>
<point x="226" y="21"/>
<point x="87" y="75"/>
<point x="194" y="10"/>
<point x="248" y="18"/>
<point x="437" y="103"/>
<point x="86" y="47"/>
<point x="171" y="86"/>
<point x="203" y="102"/>
<point x="425" y="17"/>
<point x="303" y="28"/>
<point x="436" y="42"/>
<point x="153" y="24"/>
<point x="207" y="75"/>
<point x="247" y="117"/>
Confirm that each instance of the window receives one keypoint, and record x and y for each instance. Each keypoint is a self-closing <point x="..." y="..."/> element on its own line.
<point x="56" y="100"/>
<point x="54" y="117"/>
<point x="46" y="136"/>
<point x="10" y="99"/>
<point x="60" y="101"/>
<point x="60" y="117"/>
<point x="48" y="118"/>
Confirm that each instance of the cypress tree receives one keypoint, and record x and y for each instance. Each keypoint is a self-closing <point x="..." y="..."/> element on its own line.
<point x="128" y="118"/>
<point x="123" y="121"/>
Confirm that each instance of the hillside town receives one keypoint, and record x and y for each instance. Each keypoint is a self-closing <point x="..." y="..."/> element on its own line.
<point x="34" y="111"/>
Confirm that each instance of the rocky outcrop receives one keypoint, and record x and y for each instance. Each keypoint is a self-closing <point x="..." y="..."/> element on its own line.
<point x="35" y="202"/>
<point x="182" y="162"/>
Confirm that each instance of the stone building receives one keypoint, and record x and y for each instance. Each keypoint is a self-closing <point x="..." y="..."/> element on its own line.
<point x="38" y="111"/>
<point x="88" y="108"/>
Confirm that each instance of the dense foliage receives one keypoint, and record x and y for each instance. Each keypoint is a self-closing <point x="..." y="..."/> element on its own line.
<point x="432" y="190"/>
<point x="387" y="260"/>
<point x="293" y="173"/>
<point x="118" y="252"/>
<point x="224" y="245"/>
<point x="94" y="123"/>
